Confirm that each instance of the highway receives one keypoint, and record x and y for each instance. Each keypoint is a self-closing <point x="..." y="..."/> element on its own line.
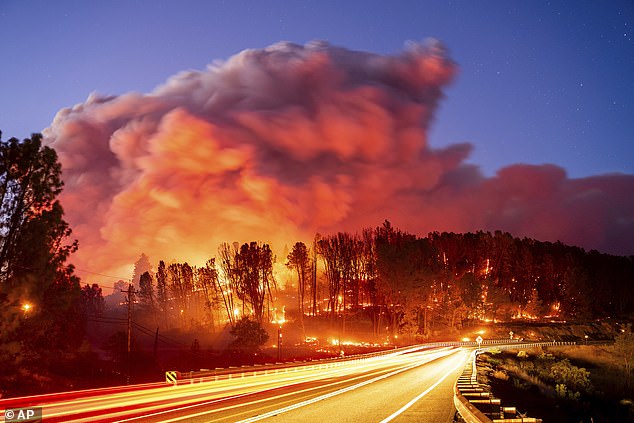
<point x="414" y="384"/>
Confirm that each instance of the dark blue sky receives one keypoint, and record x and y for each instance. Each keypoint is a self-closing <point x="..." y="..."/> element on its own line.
<point x="539" y="81"/>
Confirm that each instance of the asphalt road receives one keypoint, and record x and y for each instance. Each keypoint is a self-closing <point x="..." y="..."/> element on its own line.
<point x="412" y="385"/>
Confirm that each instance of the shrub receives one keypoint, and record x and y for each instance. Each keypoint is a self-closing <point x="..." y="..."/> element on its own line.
<point x="249" y="336"/>
<point x="494" y="361"/>
<point x="561" y="390"/>
<point x="576" y="378"/>
<point x="528" y="367"/>
<point x="500" y="374"/>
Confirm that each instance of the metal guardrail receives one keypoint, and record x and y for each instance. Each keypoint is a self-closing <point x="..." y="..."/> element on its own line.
<point x="468" y="412"/>
<point x="467" y="383"/>
<point x="530" y="345"/>
<point x="468" y="392"/>
<point x="229" y="372"/>
<point x="207" y="375"/>
<point x="242" y="371"/>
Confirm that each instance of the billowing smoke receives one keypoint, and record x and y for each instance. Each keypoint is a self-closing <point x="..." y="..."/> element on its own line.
<point x="280" y="143"/>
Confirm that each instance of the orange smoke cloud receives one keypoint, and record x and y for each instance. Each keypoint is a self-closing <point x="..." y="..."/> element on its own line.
<point x="277" y="144"/>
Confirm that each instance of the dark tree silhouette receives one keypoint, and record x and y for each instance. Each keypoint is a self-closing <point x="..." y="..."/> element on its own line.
<point x="162" y="294"/>
<point x="249" y="337"/>
<point x="299" y="261"/>
<point x="254" y="270"/>
<point x="228" y="286"/>
<point x="146" y="292"/>
<point x="208" y="281"/>
<point x="92" y="300"/>
<point x="181" y="284"/>
<point x="141" y="266"/>
<point x="39" y="295"/>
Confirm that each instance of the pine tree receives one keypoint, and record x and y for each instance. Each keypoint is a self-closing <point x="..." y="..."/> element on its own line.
<point x="141" y="266"/>
<point x="39" y="295"/>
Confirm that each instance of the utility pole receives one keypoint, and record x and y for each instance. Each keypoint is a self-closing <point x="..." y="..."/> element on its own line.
<point x="314" y="279"/>
<point x="156" y="343"/>
<point x="279" y="343"/>
<point x="314" y="273"/>
<point x="130" y="298"/>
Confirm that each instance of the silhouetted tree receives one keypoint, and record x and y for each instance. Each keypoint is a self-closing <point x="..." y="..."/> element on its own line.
<point x="313" y="276"/>
<point x="33" y="253"/>
<point x="228" y="285"/>
<point x="141" y="266"/>
<point x="162" y="294"/>
<point x="181" y="286"/>
<point x="402" y="274"/>
<point x="299" y="261"/>
<point x="92" y="301"/>
<point x="146" y="292"/>
<point x="249" y="337"/>
<point x="254" y="270"/>
<point x="329" y="248"/>
<point x="208" y="280"/>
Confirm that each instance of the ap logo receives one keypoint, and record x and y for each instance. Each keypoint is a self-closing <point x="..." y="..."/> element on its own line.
<point x="23" y="415"/>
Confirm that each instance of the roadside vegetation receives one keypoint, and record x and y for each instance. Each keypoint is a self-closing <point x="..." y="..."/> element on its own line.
<point x="587" y="383"/>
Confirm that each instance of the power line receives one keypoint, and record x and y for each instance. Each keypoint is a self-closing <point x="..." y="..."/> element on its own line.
<point x="146" y="331"/>
<point x="164" y="338"/>
<point x="106" y="319"/>
<point x="101" y="274"/>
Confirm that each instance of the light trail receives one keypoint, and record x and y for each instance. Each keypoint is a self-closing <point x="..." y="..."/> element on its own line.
<point x="338" y="392"/>
<point x="227" y="393"/>
<point x="422" y="394"/>
<point x="288" y="381"/>
<point x="311" y="401"/>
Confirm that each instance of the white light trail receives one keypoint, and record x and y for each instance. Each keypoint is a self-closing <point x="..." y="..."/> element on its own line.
<point x="422" y="394"/>
<point x="160" y="401"/>
<point x="338" y="392"/>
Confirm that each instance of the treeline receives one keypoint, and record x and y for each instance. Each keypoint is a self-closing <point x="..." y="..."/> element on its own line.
<point x="496" y="276"/>
<point x="240" y="284"/>
<point x="402" y="283"/>
<point x="418" y="285"/>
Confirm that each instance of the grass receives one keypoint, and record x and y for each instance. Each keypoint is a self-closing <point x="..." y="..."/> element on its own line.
<point x="606" y="369"/>
<point x="575" y="384"/>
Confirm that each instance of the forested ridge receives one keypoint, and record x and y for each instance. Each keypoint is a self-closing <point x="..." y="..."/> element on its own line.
<point x="399" y="283"/>
<point x="405" y="283"/>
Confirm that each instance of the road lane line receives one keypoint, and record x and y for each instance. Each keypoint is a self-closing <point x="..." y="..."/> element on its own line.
<point x="334" y="393"/>
<point x="185" y="407"/>
<point x="207" y="391"/>
<point x="168" y="392"/>
<point x="422" y="394"/>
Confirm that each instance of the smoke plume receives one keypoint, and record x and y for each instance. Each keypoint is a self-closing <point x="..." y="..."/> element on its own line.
<point x="280" y="143"/>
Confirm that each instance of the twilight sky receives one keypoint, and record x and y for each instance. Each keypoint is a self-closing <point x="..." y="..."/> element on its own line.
<point x="538" y="81"/>
<point x="524" y="123"/>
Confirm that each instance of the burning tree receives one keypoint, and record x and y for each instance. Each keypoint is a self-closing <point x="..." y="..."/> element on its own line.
<point x="208" y="281"/>
<point x="333" y="250"/>
<point x="400" y="275"/>
<point x="227" y="285"/>
<point x="162" y="294"/>
<point x="298" y="259"/>
<point x="254" y="268"/>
